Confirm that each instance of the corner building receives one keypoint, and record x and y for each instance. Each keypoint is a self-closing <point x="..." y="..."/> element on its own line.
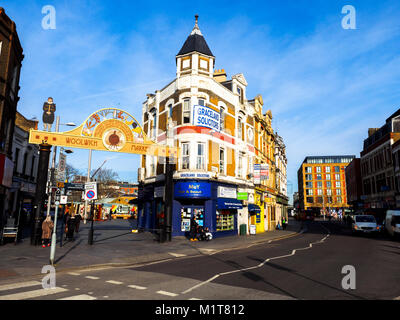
<point x="210" y="119"/>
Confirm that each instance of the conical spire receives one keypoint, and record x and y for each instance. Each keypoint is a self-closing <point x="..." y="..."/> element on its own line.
<point x="195" y="42"/>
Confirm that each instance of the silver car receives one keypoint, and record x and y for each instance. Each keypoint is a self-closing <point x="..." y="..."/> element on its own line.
<point x="364" y="224"/>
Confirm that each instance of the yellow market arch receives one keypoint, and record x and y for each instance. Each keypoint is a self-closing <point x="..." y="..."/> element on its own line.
<point x="108" y="129"/>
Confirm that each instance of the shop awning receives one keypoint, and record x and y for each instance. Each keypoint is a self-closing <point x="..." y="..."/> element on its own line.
<point x="254" y="209"/>
<point x="229" y="204"/>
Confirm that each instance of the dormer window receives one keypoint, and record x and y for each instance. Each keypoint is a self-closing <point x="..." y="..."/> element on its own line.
<point x="240" y="93"/>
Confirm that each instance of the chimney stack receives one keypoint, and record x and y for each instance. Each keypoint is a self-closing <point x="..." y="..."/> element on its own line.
<point x="219" y="75"/>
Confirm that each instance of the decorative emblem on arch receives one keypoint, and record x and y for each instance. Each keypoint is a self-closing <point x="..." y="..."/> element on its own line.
<point x="107" y="129"/>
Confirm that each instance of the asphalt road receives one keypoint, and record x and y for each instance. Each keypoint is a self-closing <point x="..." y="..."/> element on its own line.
<point x="306" y="266"/>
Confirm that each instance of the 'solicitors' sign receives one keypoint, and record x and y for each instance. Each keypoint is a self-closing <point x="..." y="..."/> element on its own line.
<point x="206" y="117"/>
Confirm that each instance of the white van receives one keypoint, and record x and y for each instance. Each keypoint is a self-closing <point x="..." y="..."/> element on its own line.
<point x="392" y="222"/>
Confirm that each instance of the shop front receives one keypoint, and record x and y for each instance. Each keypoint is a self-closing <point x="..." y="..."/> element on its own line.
<point x="191" y="199"/>
<point x="258" y="218"/>
<point x="246" y="196"/>
<point x="213" y="205"/>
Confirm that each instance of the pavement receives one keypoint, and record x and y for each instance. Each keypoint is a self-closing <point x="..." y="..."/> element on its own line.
<point x="116" y="246"/>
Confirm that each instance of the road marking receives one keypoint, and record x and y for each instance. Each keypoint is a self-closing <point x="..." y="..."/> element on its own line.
<point x="136" y="287"/>
<point x="91" y="277"/>
<point x="19" y="285"/>
<point x="79" y="297"/>
<point x="32" y="294"/>
<point x="74" y="274"/>
<point x="77" y="289"/>
<point x="114" y="282"/>
<point x="166" y="293"/>
<point x="254" y="267"/>
<point x="194" y="299"/>
<point x="177" y="254"/>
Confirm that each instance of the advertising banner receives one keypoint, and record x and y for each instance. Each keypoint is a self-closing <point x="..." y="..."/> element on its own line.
<point x="257" y="174"/>
<point x="224" y="192"/>
<point x="192" y="190"/>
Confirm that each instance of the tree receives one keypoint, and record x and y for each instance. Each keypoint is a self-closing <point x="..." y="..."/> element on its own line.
<point x="106" y="183"/>
<point x="70" y="172"/>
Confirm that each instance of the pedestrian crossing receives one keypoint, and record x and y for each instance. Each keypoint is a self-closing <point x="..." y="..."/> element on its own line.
<point x="7" y="292"/>
<point x="34" y="290"/>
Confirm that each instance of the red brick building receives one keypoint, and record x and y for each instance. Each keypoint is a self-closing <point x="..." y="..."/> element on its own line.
<point x="11" y="56"/>
<point x="354" y="184"/>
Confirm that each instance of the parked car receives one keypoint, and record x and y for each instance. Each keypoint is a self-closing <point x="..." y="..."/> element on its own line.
<point x="364" y="224"/>
<point x="392" y="223"/>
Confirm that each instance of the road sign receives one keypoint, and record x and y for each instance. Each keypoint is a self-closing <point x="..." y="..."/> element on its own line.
<point x="63" y="200"/>
<point x="90" y="191"/>
<point x="58" y="195"/>
<point x="74" y="186"/>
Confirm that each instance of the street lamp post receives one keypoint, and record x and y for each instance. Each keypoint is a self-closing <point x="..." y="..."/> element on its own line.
<point x="57" y="199"/>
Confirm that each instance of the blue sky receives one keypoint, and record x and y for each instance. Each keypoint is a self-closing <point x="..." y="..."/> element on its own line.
<point x="325" y="85"/>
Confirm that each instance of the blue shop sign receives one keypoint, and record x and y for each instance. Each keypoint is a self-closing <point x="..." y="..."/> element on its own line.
<point x="192" y="190"/>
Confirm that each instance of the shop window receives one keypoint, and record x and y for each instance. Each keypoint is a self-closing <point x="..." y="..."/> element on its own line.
<point x="225" y="220"/>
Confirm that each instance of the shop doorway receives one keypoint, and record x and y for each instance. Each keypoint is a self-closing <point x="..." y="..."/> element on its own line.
<point x="189" y="211"/>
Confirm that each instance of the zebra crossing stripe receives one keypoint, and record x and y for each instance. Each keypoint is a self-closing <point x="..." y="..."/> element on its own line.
<point x="32" y="294"/>
<point x="137" y="287"/>
<point x="19" y="285"/>
<point x="166" y="293"/>
<point x="79" y="297"/>
<point x="114" y="282"/>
